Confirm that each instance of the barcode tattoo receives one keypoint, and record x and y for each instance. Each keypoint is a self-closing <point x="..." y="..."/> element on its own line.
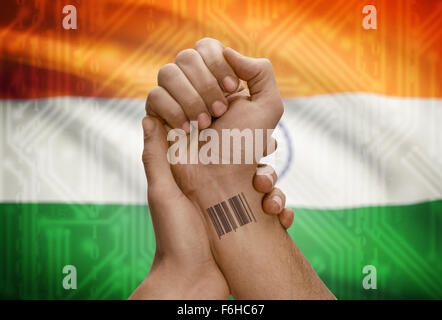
<point x="228" y="214"/>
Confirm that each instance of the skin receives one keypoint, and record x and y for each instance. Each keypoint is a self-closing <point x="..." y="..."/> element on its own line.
<point x="183" y="266"/>
<point x="247" y="258"/>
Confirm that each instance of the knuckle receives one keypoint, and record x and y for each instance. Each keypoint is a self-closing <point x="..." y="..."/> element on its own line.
<point x="206" y="42"/>
<point x="167" y="71"/>
<point x="194" y="106"/>
<point x="153" y="99"/>
<point x="154" y="94"/>
<point x="175" y="114"/>
<point x="186" y="56"/>
<point x="217" y="65"/>
<point x="265" y="63"/>
<point x="209" y="87"/>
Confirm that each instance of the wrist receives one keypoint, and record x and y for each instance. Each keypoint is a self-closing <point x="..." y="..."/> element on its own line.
<point x="169" y="280"/>
<point x="229" y="198"/>
<point x="215" y="184"/>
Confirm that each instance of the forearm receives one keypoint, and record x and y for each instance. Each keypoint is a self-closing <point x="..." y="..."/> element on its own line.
<point x="171" y="281"/>
<point x="259" y="259"/>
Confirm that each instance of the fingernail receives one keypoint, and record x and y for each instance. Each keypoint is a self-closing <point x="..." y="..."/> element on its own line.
<point x="278" y="201"/>
<point x="229" y="84"/>
<point x="203" y="120"/>
<point x="218" y="108"/>
<point x="186" y="126"/>
<point x="148" y="126"/>
<point x="267" y="172"/>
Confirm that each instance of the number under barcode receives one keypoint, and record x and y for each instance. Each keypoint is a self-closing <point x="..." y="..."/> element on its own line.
<point x="230" y="214"/>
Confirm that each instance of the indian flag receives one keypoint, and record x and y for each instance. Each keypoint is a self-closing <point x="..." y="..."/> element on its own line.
<point x="359" y="153"/>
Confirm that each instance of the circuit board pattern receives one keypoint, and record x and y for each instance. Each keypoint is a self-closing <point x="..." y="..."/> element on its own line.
<point x="316" y="47"/>
<point x="113" y="246"/>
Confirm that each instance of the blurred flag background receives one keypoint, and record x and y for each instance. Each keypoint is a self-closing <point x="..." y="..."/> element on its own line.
<point x="359" y="152"/>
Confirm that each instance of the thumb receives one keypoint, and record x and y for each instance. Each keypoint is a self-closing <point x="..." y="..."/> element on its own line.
<point x="157" y="168"/>
<point x="257" y="72"/>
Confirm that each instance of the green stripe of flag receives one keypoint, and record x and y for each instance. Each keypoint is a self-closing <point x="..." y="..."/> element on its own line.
<point x="112" y="247"/>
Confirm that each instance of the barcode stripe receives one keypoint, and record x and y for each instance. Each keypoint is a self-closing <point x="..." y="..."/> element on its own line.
<point x="222" y="218"/>
<point x="221" y="214"/>
<point x="218" y="223"/>
<point x="248" y="206"/>
<point x="215" y="222"/>
<point x="244" y="217"/>
<point x="245" y="208"/>
<point x="229" y="215"/>
<point x="235" y="211"/>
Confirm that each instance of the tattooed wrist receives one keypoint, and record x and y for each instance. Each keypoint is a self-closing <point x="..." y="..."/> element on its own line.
<point x="230" y="214"/>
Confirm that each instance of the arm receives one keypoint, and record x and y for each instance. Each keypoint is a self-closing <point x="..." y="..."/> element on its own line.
<point x="183" y="266"/>
<point x="259" y="260"/>
<point x="248" y="258"/>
